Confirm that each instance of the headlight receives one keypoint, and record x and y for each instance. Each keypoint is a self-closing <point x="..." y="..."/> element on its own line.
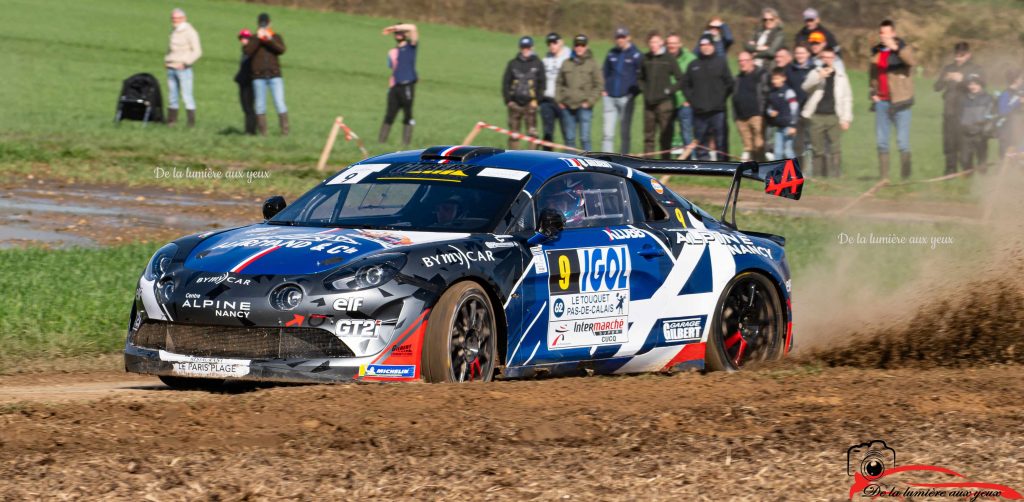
<point x="371" y="272"/>
<point x="286" y="297"/>
<point x="166" y="290"/>
<point x="161" y="262"/>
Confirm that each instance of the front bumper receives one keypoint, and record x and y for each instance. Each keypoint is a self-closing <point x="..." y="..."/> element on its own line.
<point x="157" y="362"/>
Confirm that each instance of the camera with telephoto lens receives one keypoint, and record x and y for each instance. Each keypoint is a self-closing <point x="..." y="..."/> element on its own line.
<point x="870" y="459"/>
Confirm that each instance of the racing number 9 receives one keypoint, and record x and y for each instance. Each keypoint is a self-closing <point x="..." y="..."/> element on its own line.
<point x="564" y="272"/>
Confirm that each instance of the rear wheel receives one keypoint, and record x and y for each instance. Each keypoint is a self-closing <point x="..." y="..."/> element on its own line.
<point x="461" y="339"/>
<point x="182" y="383"/>
<point x="748" y="325"/>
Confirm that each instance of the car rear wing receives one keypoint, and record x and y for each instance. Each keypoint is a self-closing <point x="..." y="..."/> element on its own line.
<point x="782" y="178"/>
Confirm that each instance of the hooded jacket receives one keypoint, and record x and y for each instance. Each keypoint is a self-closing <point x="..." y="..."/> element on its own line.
<point x="579" y="80"/>
<point x="898" y="75"/>
<point x="263" y="54"/>
<point x="707" y="84"/>
<point x="183" y="46"/>
<point x="524" y="80"/>
<point x="660" y="77"/>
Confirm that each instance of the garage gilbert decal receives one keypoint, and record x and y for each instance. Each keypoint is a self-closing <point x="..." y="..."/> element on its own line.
<point x="589" y="291"/>
<point x="685" y="329"/>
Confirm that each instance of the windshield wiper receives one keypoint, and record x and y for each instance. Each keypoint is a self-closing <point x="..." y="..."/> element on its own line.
<point x="283" y="222"/>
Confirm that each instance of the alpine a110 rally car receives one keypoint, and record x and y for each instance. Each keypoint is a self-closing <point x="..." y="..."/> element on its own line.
<point x="471" y="263"/>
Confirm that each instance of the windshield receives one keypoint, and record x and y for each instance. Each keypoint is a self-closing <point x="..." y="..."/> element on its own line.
<point x="409" y="196"/>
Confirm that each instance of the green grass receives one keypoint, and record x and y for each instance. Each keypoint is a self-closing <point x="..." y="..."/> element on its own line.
<point x="64" y="61"/>
<point x="67" y="302"/>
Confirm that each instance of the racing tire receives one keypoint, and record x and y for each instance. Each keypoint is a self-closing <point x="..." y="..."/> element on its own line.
<point x="183" y="383"/>
<point x="748" y="325"/>
<point x="461" y="340"/>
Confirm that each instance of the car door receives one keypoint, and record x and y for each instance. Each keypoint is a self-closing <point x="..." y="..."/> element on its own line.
<point x="577" y="303"/>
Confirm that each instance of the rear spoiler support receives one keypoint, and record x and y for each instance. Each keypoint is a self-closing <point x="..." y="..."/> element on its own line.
<point x="782" y="178"/>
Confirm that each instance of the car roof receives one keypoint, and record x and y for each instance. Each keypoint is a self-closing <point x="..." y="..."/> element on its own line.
<point x="541" y="165"/>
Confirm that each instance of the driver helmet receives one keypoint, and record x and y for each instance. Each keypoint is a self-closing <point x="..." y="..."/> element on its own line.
<point x="569" y="202"/>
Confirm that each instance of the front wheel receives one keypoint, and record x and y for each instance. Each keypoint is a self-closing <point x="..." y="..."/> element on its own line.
<point x="748" y="325"/>
<point x="461" y="339"/>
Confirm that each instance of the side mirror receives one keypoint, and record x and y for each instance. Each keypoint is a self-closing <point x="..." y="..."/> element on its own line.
<point x="273" y="206"/>
<point x="549" y="225"/>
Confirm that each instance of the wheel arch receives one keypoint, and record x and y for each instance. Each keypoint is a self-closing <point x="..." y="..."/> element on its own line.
<point x="500" y="321"/>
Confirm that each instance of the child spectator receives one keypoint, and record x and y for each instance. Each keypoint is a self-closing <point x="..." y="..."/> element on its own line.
<point x="975" y="123"/>
<point x="782" y="112"/>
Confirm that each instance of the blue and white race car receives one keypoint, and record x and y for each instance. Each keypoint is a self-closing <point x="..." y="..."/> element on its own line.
<point x="468" y="263"/>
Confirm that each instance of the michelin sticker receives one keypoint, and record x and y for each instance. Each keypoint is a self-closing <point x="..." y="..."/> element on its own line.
<point x="205" y="366"/>
<point x="387" y="371"/>
<point x="589" y="291"/>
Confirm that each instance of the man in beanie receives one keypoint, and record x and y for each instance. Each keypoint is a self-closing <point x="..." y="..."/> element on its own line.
<point x="620" y="71"/>
<point x="892" y="91"/>
<point x="183" y="50"/>
<point x="266" y="74"/>
<point x="579" y="88"/>
<point x="952" y="83"/>
<point x="521" y="88"/>
<point x="557" y="54"/>
<point x="402" y="83"/>
<point x="244" y="80"/>
<point x="707" y="85"/>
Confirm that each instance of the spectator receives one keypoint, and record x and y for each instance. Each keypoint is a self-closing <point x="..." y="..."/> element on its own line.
<point x="660" y="78"/>
<point x="579" y="87"/>
<point x="952" y="83"/>
<point x="557" y="54"/>
<point x="975" y="124"/>
<point x="244" y="80"/>
<point x="402" y="83"/>
<point x="684" y="112"/>
<point x="892" y="91"/>
<point x="183" y="50"/>
<point x="748" y="106"/>
<point x="721" y="37"/>
<point x="796" y="73"/>
<point x="1011" y="114"/>
<point x="782" y="111"/>
<point x="521" y="87"/>
<point x="816" y="44"/>
<point x="621" y="69"/>
<point x="766" y="40"/>
<point x="266" y="73"/>
<point x="829" y="110"/>
<point x="783" y="57"/>
<point x="812" y="24"/>
<point x="707" y="84"/>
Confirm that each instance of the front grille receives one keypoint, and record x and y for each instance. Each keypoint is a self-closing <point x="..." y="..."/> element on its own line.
<point x="240" y="342"/>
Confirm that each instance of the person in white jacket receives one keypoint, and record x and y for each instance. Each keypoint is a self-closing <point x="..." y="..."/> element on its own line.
<point x="183" y="50"/>
<point x="829" y="109"/>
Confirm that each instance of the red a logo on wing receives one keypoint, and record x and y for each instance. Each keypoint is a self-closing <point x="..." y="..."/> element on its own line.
<point x="789" y="180"/>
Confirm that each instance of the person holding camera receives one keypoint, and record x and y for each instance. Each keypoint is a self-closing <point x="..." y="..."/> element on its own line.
<point x="952" y="83"/>
<point x="892" y="93"/>
<point x="829" y="112"/>
<point x="266" y="74"/>
<point x="402" y="83"/>
<point x="521" y="87"/>
<point x="183" y="50"/>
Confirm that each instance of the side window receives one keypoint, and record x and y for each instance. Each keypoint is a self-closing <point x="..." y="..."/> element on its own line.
<point x="645" y="208"/>
<point x="587" y="200"/>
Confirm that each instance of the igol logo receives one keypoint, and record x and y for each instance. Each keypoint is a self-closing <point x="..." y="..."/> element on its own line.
<point x="559" y="307"/>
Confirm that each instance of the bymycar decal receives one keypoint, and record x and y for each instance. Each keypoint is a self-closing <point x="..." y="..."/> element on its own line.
<point x="387" y="371"/>
<point x="364" y="328"/>
<point x="221" y="308"/>
<point x="589" y="290"/>
<point x="205" y="366"/>
<point x="225" y="278"/>
<point x="735" y="243"/>
<point x="457" y="257"/>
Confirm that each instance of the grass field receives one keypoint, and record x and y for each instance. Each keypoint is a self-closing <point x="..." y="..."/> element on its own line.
<point x="64" y="62"/>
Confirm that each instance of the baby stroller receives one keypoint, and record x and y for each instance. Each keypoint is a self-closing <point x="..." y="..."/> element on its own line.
<point x="140" y="100"/>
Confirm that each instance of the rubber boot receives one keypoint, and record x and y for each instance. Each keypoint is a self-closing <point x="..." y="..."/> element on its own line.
<point x="282" y="119"/>
<point x="261" y="124"/>
<point x="820" y="168"/>
<point x="407" y="135"/>
<point x="904" y="165"/>
<point x="172" y="116"/>
<point x="191" y="114"/>
<point x="385" y="130"/>
<point x="835" y="165"/>
<point x="883" y="165"/>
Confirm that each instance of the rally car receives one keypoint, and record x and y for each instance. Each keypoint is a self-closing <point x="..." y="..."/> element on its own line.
<point x="466" y="263"/>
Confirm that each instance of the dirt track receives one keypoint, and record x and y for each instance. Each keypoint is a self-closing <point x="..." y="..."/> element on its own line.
<point x="772" y="434"/>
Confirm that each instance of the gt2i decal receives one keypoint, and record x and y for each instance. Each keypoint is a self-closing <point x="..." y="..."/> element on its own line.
<point x="683" y="330"/>
<point x="589" y="296"/>
<point x="735" y="243"/>
<point x="364" y="328"/>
